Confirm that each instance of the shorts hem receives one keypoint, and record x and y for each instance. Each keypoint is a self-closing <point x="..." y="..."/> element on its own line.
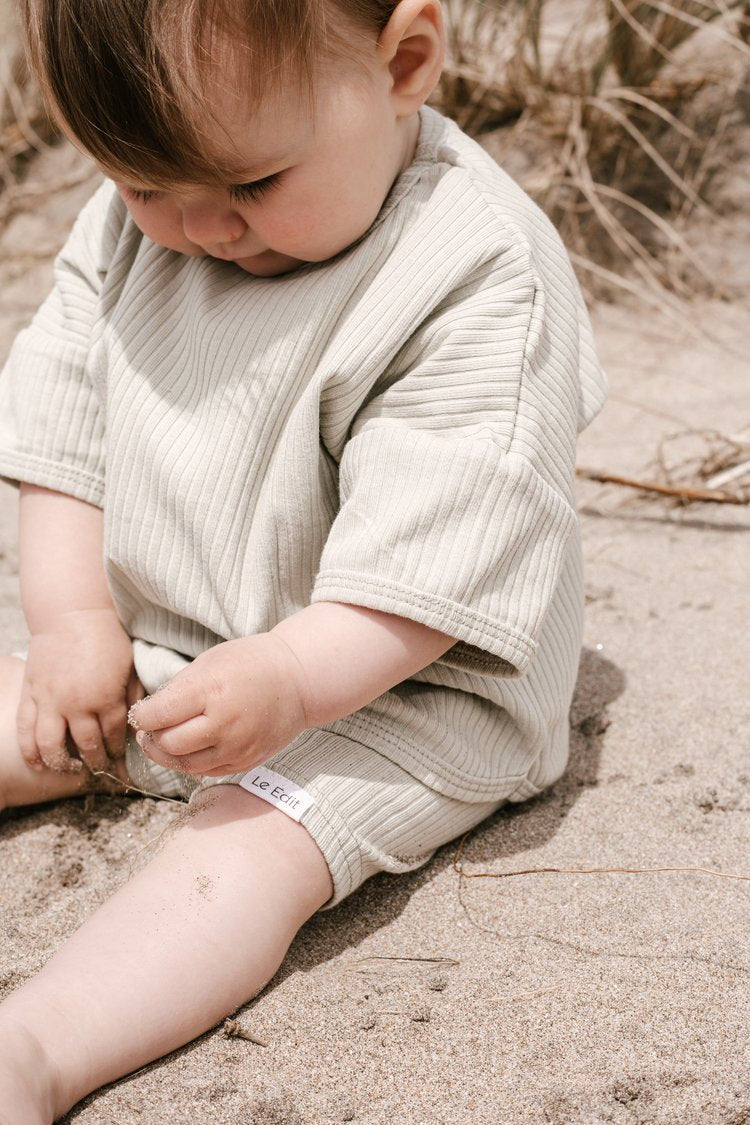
<point x="337" y="843"/>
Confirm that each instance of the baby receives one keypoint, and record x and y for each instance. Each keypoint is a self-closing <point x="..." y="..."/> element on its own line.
<point x="295" y="436"/>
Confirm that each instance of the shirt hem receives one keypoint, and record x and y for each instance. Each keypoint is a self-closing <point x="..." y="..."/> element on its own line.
<point x="24" y="469"/>
<point x="502" y="650"/>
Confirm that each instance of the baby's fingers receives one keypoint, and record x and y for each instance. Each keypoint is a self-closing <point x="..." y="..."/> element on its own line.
<point x="51" y="730"/>
<point x="87" y="737"/>
<point x="113" y="724"/>
<point x="179" y="700"/>
<point x="198" y="762"/>
<point x="26" y="732"/>
<point x="186" y="738"/>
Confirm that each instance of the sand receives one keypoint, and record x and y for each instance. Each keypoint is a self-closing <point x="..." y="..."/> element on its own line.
<point x="539" y="998"/>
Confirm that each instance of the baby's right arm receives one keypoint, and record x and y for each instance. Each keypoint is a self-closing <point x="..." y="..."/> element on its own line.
<point x="79" y="670"/>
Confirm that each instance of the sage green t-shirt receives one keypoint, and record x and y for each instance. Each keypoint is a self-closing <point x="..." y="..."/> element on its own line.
<point x="393" y="428"/>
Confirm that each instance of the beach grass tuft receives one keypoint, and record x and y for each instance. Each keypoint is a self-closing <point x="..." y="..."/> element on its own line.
<point x="613" y="115"/>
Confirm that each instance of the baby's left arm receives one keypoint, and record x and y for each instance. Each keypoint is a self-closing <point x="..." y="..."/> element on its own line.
<point x="241" y="701"/>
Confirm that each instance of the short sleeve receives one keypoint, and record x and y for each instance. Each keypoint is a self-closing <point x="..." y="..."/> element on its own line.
<point x="455" y="485"/>
<point x="51" y="419"/>
<point x="457" y="536"/>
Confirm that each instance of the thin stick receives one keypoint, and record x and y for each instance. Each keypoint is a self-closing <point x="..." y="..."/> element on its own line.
<point x="129" y="787"/>
<point x="433" y="961"/>
<point x="728" y="475"/>
<point x="682" y="492"/>
<point x="459" y="869"/>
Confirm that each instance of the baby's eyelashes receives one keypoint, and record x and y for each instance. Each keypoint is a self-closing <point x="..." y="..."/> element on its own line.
<point x="238" y="193"/>
<point x="138" y="195"/>
<point x="254" y="190"/>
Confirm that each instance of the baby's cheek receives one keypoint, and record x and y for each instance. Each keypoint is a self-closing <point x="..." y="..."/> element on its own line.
<point x="319" y="235"/>
<point x="286" y="227"/>
<point x="163" y="226"/>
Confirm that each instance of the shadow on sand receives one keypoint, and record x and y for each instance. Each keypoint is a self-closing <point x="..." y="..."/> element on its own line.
<point x="382" y="899"/>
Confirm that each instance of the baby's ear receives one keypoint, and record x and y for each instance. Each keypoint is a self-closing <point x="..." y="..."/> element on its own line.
<point x="412" y="44"/>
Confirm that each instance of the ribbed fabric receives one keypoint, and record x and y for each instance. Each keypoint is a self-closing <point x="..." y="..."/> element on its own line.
<point x="393" y="428"/>
<point x="367" y="814"/>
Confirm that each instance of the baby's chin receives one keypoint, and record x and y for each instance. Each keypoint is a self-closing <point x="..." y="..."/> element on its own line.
<point x="268" y="264"/>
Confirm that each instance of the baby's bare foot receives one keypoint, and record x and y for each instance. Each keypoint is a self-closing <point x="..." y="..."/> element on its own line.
<point x="22" y="785"/>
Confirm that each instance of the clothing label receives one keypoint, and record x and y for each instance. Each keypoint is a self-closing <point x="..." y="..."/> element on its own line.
<point x="278" y="791"/>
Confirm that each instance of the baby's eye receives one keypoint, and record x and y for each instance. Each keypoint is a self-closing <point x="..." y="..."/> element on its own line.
<point x="255" y="190"/>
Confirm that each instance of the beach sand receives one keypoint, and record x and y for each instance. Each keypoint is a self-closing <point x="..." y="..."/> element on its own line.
<point x="559" y="998"/>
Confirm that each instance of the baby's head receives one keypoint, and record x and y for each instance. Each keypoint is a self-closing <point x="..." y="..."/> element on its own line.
<point x="265" y="133"/>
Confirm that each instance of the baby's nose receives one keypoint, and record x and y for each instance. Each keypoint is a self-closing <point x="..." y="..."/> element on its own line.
<point x="209" y="223"/>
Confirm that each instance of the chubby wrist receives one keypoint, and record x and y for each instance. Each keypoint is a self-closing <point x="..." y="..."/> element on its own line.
<point x="341" y="656"/>
<point x="74" y="620"/>
<point x="294" y="685"/>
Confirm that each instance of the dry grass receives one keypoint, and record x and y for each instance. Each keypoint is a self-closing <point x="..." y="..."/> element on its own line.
<point x="612" y="114"/>
<point x="25" y="128"/>
<point x="24" y="125"/>
<point x="619" y="111"/>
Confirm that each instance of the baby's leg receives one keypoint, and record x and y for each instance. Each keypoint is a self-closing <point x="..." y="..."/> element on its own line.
<point x="19" y="784"/>
<point x="195" y="934"/>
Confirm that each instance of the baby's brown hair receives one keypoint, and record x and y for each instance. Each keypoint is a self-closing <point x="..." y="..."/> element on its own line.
<point x="126" y="78"/>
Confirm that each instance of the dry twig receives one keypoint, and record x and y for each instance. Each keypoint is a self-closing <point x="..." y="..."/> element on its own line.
<point x="128" y="787"/>
<point x="681" y="492"/>
<point x="458" y="867"/>
<point x="233" y="1029"/>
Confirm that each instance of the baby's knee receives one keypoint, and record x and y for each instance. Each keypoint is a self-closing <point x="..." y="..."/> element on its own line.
<point x="250" y="829"/>
<point x="223" y="803"/>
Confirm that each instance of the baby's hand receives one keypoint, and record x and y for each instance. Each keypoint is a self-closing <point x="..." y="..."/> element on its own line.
<point x="232" y="708"/>
<point x="78" y="685"/>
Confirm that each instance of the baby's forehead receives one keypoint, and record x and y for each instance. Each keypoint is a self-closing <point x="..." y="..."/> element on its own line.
<point x="204" y="94"/>
<point x="247" y="141"/>
<point x="227" y="138"/>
